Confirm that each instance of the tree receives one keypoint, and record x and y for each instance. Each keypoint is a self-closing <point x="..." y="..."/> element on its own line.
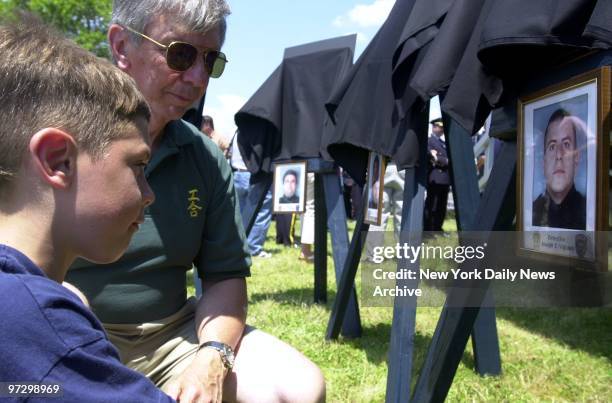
<point x="84" y="21"/>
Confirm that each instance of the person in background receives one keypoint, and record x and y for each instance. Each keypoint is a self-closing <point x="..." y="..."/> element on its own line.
<point x="285" y="228"/>
<point x="438" y="179"/>
<point x="208" y="128"/>
<point x="308" y="221"/>
<point x="353" y="196"/>
<point x="242" y="178"/>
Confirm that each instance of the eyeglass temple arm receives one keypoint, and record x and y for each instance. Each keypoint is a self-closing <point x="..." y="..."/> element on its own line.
<point x="146" y="37"/>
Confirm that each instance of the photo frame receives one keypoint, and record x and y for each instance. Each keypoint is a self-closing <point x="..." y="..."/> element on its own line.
<point x="563" y="158"/>
<point x="289" y="187"/>
<point x="373" y="204"/>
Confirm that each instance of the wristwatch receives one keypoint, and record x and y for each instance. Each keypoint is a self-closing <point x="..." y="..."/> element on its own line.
<point x="226" y="352"/>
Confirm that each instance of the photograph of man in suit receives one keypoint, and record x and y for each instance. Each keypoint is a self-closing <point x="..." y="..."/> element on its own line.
<point x="290" y="183"/>
<point x="560" y="205"/>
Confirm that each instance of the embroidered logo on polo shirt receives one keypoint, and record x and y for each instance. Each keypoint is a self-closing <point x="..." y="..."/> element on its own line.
<point x="193" y="199"/>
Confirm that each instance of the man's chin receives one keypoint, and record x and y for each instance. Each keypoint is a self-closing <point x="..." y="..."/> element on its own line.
<point x="559" y="192"/>
<point x="561" y="187"/>
<point x="174" y="113"/>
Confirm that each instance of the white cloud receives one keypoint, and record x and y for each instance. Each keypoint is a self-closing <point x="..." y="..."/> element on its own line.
<point x="222" y="109"/>
<point x="366" y="15"/>
<point x="339" y="21"/>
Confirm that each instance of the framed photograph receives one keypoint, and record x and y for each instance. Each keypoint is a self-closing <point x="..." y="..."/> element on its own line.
<point x="375" y="185"/>
<point x="289" y="187"/>
<point x="562" y="188"/>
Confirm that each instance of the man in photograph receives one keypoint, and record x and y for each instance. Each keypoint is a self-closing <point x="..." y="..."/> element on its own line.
<point x="290" y="181"/>
<point x="561" y="205"/>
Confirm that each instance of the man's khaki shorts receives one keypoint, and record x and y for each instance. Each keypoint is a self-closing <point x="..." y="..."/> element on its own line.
<point x="160" y="350"/>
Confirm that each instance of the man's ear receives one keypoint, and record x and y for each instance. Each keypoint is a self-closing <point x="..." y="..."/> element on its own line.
<point x="118" y="40"/>
<point x="53" y="153"/>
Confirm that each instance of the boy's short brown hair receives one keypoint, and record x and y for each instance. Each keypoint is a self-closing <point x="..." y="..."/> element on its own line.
<point x="47" y="80"/>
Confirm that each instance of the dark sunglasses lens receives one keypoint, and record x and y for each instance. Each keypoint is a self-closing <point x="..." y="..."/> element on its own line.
<point x="215" y="63"/>
<point x="181" y="56"/>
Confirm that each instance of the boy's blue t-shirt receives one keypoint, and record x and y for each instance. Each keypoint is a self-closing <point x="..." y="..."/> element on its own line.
<point x="48" y="336"/>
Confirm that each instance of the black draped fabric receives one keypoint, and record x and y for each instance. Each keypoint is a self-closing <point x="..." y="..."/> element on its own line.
<point x="366" y="111"/>
<point x="285" y="117"/>
<point x="600" y="23"/>
<point x="472" y="90"/>
<point x="540" y="33"/>
<point x="445" y="53"/>
<point x="515" y="40"/>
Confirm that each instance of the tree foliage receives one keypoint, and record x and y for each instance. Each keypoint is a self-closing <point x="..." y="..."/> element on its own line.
<point x="84" y="21"/>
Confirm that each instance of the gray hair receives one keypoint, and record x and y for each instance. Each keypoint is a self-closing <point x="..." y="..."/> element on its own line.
<point x="196" y="15"/>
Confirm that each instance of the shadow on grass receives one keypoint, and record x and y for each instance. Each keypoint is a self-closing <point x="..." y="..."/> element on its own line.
<point x="279" y="248"/>
<point x="294" y="296"/>
<point x="586" y="329"/>
<point x="374" y="339"/>
<point x="375" y="342"/>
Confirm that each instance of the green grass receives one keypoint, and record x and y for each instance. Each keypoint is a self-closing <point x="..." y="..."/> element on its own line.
<point x="547" y="354"/>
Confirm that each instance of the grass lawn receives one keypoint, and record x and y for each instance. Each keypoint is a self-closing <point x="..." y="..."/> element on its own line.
<point x="547" y="354"/>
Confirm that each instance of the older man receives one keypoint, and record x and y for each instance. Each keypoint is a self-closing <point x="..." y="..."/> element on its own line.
<point x="171" y="48"/>
<point x="561" y="205"/>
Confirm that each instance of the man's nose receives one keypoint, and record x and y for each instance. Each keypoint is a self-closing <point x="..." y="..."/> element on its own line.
<point x="560" y="152"/>
<point x="148" y="196"/>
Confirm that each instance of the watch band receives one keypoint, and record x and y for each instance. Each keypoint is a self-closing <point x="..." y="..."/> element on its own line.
<point x="226" y="352"/>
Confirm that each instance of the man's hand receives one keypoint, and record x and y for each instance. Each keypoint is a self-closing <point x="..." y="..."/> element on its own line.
<point x="202" y="381"/>
<point x="434" y="155"/>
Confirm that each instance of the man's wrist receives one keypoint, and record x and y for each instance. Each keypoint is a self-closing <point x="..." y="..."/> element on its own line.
<point x="208" y="356"/>
<point x="222" y="350"/>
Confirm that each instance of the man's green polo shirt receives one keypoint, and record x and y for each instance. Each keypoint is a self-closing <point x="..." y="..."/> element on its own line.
<point x="195" y="220"/>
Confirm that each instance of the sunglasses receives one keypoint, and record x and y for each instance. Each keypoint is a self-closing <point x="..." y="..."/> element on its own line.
<point x="180" y="56"/>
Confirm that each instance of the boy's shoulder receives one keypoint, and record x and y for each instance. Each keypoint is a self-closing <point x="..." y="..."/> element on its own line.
<point x="42" y="320"/>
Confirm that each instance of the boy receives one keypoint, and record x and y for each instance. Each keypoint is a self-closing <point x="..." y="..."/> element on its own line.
<point x="73" y="146"/>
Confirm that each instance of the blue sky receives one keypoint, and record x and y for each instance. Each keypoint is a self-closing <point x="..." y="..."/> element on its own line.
<point x="259" y="31"/>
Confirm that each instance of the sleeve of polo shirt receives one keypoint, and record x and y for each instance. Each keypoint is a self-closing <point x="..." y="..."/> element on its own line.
<point x="224" y="253"/>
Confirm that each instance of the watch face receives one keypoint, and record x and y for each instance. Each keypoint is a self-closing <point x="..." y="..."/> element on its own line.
<point x="230" y="357"/>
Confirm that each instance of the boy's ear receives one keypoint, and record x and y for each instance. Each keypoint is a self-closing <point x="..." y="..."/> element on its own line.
<point x="54" y="154"/>
<point x="118" y="41"/>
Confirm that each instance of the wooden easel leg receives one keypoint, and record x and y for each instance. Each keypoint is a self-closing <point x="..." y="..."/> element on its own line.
<point x="320" y="247"/>
<point x="466" y="195"/>
<point x="496" y="211"/>
<point x="347" y="279"/>
<point x="336" y="223"/>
